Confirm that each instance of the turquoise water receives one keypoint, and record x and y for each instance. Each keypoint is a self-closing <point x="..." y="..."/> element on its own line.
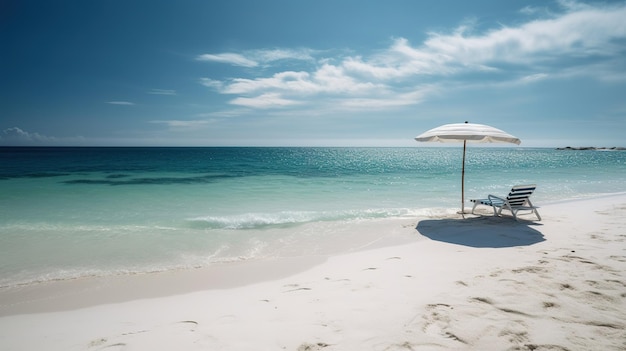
<point x="74" y="212"/>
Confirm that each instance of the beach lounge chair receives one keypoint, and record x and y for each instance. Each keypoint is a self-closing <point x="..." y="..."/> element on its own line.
<point x="517" y="200"/>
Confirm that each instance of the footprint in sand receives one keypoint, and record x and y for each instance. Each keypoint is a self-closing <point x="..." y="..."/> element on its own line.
<point x="181" y="331"/>
<point x="100" y="344"/>
<point x="529" y="269"/>
<point x="548" y="304"/>
<point x="97" y="342"/>
<point x="597" y="296"/>
<point x="119" y="346"/>
<point x="514" y="336"/>
<point x="482" y="299"/>
<point x="191" y="325"/>
<point x="503" y="309"/>
<point x="312" y="347"/>
<point x="403" y="346"/>
<point x="618" y="283"/>
<point x="618" y="258"/>
<point x="296" y="287"/>
<point x="545" y="347"/>
<point x="438" y="320"/>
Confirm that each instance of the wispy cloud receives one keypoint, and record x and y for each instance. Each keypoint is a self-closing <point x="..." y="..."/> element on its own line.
<point x="254" y="58"/>
<point x="230" y="58"/>
<point x="183" y="124"/>
<point x="390" y="100"/>
<point x="263" y="101"/>
<point x="223" y="113"/>
<point x="534" y="77"/>
<point x="162" y="92"/>
<point x="121" y="103"/>
<point x="573" y="5"/>
<point x="580" y="36"/>
<point x="283" y="54"/>
<point x="17" y="134"/>
<point x="211" y="83"/>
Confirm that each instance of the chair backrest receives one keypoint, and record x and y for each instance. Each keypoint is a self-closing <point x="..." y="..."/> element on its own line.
<point x="519" y="194"/>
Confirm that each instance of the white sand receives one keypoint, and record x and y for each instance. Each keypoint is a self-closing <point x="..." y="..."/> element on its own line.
<point x="481" y="283"/>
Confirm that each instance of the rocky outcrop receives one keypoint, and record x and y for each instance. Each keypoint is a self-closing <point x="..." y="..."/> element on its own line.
<point x="614" y="148"/>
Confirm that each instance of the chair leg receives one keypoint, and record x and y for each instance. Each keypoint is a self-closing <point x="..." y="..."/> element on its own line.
<point x="537" y="213"/>
<point x="534" y="209"/>
<point x="514" y="212"/>
<point x="499" y="214"/>
<point x="475" y="204"/>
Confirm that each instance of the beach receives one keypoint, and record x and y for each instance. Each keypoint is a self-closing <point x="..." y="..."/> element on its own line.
<point x="425" y="283"/>
<point x="299" y="176"/>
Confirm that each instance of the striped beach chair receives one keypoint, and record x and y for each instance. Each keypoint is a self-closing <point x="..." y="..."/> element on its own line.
<point x="517" y="200"/>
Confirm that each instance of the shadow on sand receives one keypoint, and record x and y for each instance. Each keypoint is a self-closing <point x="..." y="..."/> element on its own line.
<point x="484" y="231"/>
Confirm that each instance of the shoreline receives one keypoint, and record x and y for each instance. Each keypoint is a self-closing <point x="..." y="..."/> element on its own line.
<point x="73" y="293"/>
<point x="348" y="242"/>
<point x="67" y="295"/>
<point x="82" y="292"/>
<point x="478" y="283"/>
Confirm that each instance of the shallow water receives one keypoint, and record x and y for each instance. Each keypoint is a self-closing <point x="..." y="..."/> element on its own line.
<point x="72" y="212"/>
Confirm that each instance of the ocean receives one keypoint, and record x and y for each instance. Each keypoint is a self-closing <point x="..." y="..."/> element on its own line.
<point x="68" y="213"/>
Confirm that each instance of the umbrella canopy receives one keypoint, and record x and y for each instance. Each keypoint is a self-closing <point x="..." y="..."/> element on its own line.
<point x="467" y="132"/>
<point x="471" y="132"/>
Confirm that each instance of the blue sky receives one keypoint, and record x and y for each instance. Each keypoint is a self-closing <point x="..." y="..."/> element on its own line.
<point x="309" y="73"/>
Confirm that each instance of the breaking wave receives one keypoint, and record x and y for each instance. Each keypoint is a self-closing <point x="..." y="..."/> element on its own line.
<point x="294" y="218"/>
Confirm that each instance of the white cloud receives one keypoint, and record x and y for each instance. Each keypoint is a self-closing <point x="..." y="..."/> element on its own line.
<point x="573" y="5"/>
<point x="211" y="83"/>
<point x="254" y="58"/>
<point x="272" y="55"/>
<point x="230" y="58"/>
<point x="585" y="32"/>
<point x="385" y="101"/>
<point x="224" y="113"/>
<point x="400" y="61"/>
<point x="121" y="103"/>
<point x="335" y="79"/>
<point x="530" y="10"/>
<point x="327" y="79"/>
<point x="580" y="37"/>
<point x="264" y="101"/>
<point x="294" y="81"/>
<point x="534" y="77"/>
<point x="162" y="92"/>
<point x="575" y="34"/>
<point x="17" y="134"/>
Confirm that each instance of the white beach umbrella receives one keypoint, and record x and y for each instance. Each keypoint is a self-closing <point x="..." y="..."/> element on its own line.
<point x="457" y="132"/>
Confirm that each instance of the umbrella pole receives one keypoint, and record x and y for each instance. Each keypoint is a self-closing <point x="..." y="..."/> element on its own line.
<point x="463" y="180"/>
